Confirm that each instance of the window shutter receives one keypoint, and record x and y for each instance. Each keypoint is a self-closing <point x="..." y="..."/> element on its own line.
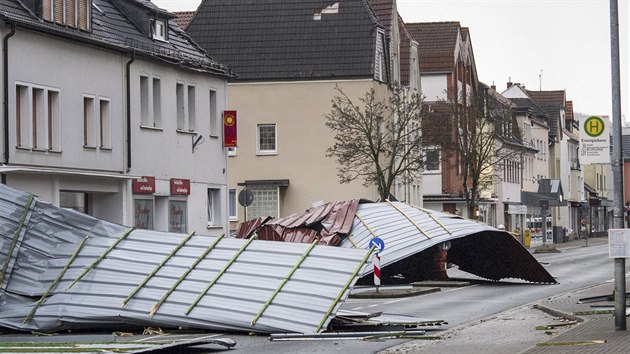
<point x="85" y="122"/>
<point x="34" y="124"/>
<point x="59" y="11"/>
<point x="71" y="13"/>
<point x="46" y="7"/>
<point x="84" y="12"/>
<point x="18" y="115"/>
<point x="50" y="120"/>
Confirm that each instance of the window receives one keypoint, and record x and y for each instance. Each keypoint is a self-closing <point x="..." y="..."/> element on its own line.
<point x="150" y="102"/>
<point x="157" y="103"/>
<point x="185" y="100"/>
<point x="144" y="210"/>
<point x="71" y="13"/>
<point x="266" y="202"/>
<point x="105" y="127"/>
<point x="37" y="118"/>
<point x="214" y="115"/>
<point x="89" y="140"/>
<point x="191" y="108"/>
<point x="214" y="207"/>
<point x="159" y="29"/>
<point x="177" y="216"/>
<point x="181" y="119"/>
<point x="232" y="204"/>
<point x="266" y="136"/>
<point x="432" y="160"/>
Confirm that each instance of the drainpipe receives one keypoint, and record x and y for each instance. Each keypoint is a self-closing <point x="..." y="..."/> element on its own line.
<point x="128" y="82"/>
<point x="5" y="87"/>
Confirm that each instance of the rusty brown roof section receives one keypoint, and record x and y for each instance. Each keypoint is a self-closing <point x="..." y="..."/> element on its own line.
<point x="569" y="111"/>
<point x="325" y="223"/>
<point x="183" y="18"/>
<point x="437" y="41"/>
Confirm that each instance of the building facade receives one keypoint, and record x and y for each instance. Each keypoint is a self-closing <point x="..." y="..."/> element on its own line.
<point x="290" y="58"/>
<point x="102" y="101"/>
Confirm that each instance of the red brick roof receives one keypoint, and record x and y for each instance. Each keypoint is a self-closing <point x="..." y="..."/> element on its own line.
<point x="405" y="52"/>
<point x="437" y="41"/>
<point x="183" y="18"/>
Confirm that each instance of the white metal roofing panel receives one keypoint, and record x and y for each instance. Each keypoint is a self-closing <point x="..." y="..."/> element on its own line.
<point x="306" y="303"/>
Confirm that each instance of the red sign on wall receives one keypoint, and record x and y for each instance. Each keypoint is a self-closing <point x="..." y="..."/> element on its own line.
<point x="180" y="186"/>
<point x="144" y="185"/>
<point x="229" y="129"/>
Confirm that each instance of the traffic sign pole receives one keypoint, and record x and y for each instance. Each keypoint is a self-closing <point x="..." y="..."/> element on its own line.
<point x="377" y="271"/>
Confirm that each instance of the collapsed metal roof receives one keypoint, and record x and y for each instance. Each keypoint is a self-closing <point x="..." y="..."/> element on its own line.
<point x="409" y="234"/>
<point x="64" y="269"/>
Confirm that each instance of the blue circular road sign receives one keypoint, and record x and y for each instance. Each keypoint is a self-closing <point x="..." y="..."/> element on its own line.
<point x="377" y="243"/>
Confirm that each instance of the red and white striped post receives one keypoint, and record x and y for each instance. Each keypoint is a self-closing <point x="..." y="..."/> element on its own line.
<point x="377" y="271"/>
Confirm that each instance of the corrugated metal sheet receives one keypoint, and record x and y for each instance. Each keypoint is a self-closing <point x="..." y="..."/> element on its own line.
<point x="476" y="248"/>
<point x="411" y="237"/>
<point x="245" y="280"/>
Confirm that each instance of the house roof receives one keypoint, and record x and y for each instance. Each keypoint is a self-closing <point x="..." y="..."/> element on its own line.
<point x="384" y="11"/>
<point x="114" y="29"/>
<point x="183" y="18"/>
<point x="437" y="42"/>
<point x="288" y="39"/>
<point x="551" y="102"/>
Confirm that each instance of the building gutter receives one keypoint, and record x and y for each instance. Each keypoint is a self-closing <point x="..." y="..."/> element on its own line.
<point x="128" y="93"/>
<point x="5" y="87"/>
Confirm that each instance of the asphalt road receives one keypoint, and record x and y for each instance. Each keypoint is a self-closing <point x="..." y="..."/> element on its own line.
<point x="574" y="268"/>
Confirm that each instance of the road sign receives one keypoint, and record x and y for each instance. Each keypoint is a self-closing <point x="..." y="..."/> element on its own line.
<point x="594" y="140"/>
<point x="245" y="197"/>
<point x="377" y="270"/>
<point x="619" y="243"/>
<point x="378" y="243"/>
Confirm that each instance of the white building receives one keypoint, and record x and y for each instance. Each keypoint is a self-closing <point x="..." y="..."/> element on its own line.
<point x="110" y="109"/>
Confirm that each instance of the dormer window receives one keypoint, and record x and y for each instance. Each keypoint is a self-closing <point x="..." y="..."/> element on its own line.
<point x="158" y="28"/>
<point x="71" y="13"/>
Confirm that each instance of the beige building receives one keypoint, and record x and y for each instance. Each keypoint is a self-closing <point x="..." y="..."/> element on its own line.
<point x="289" y="58"/>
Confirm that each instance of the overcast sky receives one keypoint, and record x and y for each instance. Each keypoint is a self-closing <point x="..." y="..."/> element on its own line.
<point x="553" y="44"/>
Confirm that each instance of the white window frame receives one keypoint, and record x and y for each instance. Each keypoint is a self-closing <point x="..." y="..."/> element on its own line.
<point x="214" y="207"/>
<point x="233" y="204"/>
<point x="437" y="150"/>
<point x="260" y="151"/>
<point x="40" y="117"/>
<point x="150" y="101"/>
<point x="89" y="122"/>
<point x="214" y="114"/>
<point x="105" y="123"/>
<point x="159" y="28"/>
<point x="186" y="106"/>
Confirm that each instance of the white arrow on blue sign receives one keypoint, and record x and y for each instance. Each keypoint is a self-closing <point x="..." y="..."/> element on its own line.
<point x="377" y="243"/>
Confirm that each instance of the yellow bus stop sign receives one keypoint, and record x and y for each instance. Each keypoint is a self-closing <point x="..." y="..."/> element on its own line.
<point x="594" y="126"/>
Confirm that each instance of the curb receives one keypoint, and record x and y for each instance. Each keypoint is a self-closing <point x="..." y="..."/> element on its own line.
<point x="558" y="313"/>
<point x="383" y="294"/>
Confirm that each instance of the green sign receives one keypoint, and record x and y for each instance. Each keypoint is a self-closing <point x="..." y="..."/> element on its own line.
<point x="594" y="126"/>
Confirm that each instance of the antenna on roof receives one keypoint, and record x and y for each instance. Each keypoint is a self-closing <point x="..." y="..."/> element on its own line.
<point x="540" y="81"/>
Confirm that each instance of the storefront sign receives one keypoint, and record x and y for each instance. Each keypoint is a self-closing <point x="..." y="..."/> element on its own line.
<point x="144" y="185"/>
<point x="180" y="186"/>
<point x="229" y="129"/>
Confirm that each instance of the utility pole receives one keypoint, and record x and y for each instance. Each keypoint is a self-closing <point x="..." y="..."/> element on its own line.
<point x="617" y="166"/>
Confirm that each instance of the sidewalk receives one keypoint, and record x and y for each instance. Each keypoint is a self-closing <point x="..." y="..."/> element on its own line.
<point x="596" y="333"/>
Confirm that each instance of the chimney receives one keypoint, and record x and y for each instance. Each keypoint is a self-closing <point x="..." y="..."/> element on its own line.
<point x="493" y="87"/>
<point x="509" y="84"/>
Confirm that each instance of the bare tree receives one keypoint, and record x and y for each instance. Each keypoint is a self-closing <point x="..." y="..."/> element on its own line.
<point x="481" y="140"/>
<point x="378" y="141"/>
